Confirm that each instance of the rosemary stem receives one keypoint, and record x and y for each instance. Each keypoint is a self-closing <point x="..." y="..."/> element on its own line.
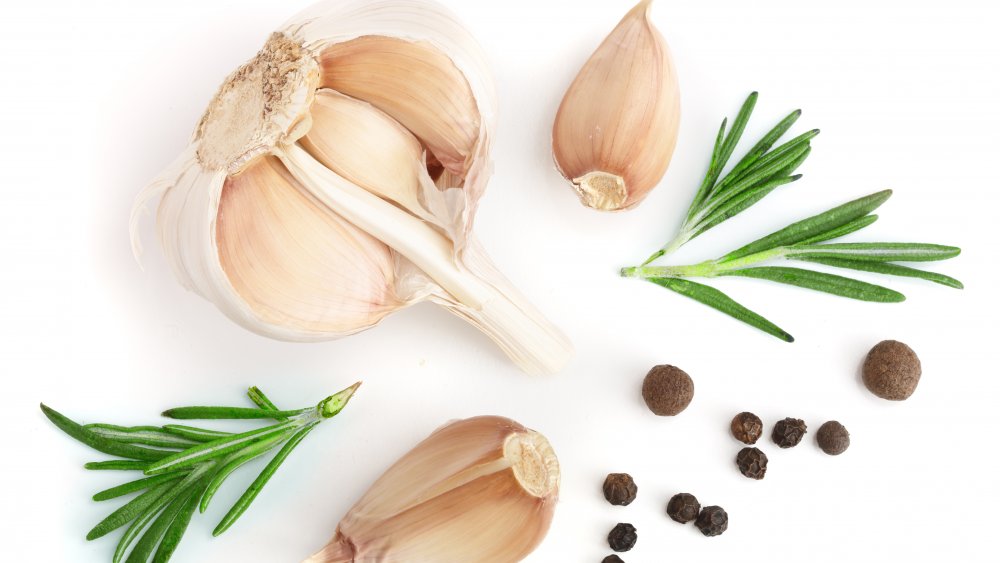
<point x="706" y="269"/>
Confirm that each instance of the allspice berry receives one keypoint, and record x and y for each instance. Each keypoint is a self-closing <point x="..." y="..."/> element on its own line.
<point x="788" y="432"/>
<point x="667" y="390"/>
<point x="612" y="559"/>
<point x="622" y="537"/>
<point x="833" y="438"/>
<point x="891" y="370"/>
<point x="746" y="427"/>
<point x="712" y="521"/>
<point x="752" y="463"/>
<point x="683" y="508"/>
<point x="620" y="489"/>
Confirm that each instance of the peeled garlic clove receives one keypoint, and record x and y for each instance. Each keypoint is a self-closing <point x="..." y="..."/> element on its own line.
<point x="616" y="128"/>
<point x="414" y="83"/>
<point x="482" y="489"/>
<point x="294" y="262"/>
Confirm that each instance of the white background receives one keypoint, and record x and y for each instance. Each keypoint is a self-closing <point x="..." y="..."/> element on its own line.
<point x="97" y="97"/>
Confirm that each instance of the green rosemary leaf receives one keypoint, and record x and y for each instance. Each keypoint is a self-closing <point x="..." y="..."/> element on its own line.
<point x="721" y="152"/>
<point x="768" y="165"/>
<point x="720" y="301"/>
<point x="144" y="435"/>
<point x="218" y="448"/>
<point x="794" y="165"/>
<point x="127" y="512"/>
<point x="175" y="532"/>
<point x="843" y="230"/>
<point x="812" y="226"/>
<point x="883" y="268"/>
<point x="756" y="177"/>
<point x="216" y="413"/>
<point x="145" y="517"/>
<point x="233" y="463"/>
<point x="101" y="443"/>
<point x="137" y="485"/>
<point x="117" y="465"/>
<point x="819" y="281"/>
<point x="194" y="434"/>
<point x="147" y="543"/>
<point x="260" y="399"/>
<point x="254" y="489"/>
<point x="764" y="145"/>
<point x="741" y="203"/>
<point x="878" y="251"/>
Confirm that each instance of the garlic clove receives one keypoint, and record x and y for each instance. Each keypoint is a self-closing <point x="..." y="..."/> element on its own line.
<point x="482" y="489"/>
<point x="617" y="125"/>
<point x="296" y="263"/>
<point x="401" y="174"/>
<point x="416" y="84"/>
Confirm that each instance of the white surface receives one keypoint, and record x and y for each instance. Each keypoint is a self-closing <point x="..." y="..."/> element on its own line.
<point x="99" y="96"/>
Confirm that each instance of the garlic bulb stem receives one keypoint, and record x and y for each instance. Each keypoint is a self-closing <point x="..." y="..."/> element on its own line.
<point x="531" y="341"/>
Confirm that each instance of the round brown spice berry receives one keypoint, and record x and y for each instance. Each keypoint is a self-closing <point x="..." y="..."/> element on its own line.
<point x="612" y="559"/>
<point x="788" y="432"/>
<point x="747" y="427"/>
<point x="752" y="463"/>
<point x="622" y="537"/>
<point x="891" y="370"/>
<point x="667" y="390"/>
<point x="620" y="489"/>
<point x="683" y="508"/>
<point x="833" y="438"/>
<point x="712" y="521"/>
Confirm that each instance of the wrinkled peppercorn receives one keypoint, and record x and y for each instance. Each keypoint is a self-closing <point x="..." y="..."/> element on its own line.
<point x="788" y="432"/>
<point x="833" y="438"/>
<point x="683" y="508"/>
<point x="891" y="370"/>
<point x="620" y="489"/>
<point x="752" y="463"/>
<point x="712" y="521"/>
<point x="667" y="390"/>
<point x="746" y="427"/>
<point x="612" y="559"/>
<point x="622" y="537"/>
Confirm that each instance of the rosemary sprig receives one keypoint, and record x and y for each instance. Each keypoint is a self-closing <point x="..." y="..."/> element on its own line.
<point x="758" y="173"/>
<point x="184" y="466"/>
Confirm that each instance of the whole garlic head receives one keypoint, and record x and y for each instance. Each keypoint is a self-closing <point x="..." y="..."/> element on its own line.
<point x="334" y="179"/>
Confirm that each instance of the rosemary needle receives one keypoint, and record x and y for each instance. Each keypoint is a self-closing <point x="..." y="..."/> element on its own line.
<point x="761" y="171"/>
<point x="184" y="466"/>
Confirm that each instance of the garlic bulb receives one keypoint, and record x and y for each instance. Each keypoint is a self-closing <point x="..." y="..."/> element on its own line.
<point x="617" y="125"/>
<point x="482" y="489"/>
<point x="334" y="179"/>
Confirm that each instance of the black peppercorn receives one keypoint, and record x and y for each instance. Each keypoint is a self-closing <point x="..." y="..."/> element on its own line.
<point x="746" y="427"/>
<point x="833" y="438"/>
<point x="667" y="390"/>
<point x="612" y="559"/>
<point x="891" y="370"/>
<point x="683" y="508"/>
<point x="620" y="489"/>
<point x="622" y="537"/>
<point x="712" y="521"/>
<point x="752" y="463"/>
<point x="788" y="432"/>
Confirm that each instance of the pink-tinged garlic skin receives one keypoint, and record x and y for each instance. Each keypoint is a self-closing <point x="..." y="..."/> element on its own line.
<point x="482" y="489"/>
<point x="616" y="127"/>
<point x="296" y="263"/>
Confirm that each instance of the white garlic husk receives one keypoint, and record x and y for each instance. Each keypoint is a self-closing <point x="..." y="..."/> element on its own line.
<point x="334" y="179"/>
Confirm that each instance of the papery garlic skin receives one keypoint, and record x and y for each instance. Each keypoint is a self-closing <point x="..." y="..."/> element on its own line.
<point x="389" y="219"/>
<point x="482" y="489"/>
<point x="616" y="127"/>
